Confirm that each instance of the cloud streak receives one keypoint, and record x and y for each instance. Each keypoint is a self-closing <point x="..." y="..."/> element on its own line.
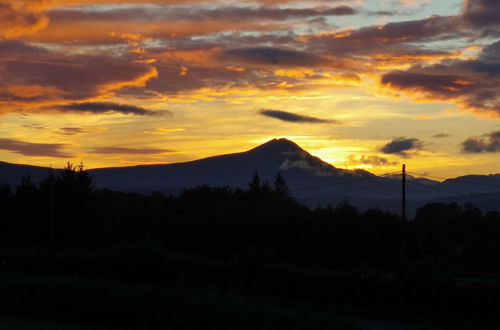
<point x="109" y="107"/>
<point x="34" y="149"/>
<point x="295" y="118"/>
<point x="273" y="56"/>
<point x="129" y="151"/>
<point x="370" y="160"/>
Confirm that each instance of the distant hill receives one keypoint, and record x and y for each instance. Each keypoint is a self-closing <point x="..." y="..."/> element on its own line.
<point x="311" y="180"/>
<point x="234" y="170"/>
<point x="12" y="174"/>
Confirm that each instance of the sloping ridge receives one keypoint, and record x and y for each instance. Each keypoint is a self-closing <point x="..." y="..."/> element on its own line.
<point x="13" y="173"/>
<point x="234" y="170"/>
<point x="323" y="182"/>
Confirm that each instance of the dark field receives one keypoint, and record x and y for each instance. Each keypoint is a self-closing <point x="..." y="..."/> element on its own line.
<point x="238" y="259"/>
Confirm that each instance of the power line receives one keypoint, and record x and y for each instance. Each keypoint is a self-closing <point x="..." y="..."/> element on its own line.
<point x="454" y="192"/>
<point x="455" y="180"/>
<point x="350" y="191"/>
<point x="342" y="183"/>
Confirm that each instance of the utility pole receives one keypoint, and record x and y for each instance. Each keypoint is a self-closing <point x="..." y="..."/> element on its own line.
<point x="403" y="219"/>
<point x="403" y="193"/>
<point x="51" y="209"/>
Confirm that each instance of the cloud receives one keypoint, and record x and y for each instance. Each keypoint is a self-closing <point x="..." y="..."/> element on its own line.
<point x="129" y="151"/>
<point x="370" y="160"/>
<point x="22" y="17"/>
<point x="71" y="130"/>
<point x="483" y="14"/>
<point x="262" y="13"/>
<point x="108" y="107"/>
<point x="92" y="50"/>
<point x="319" y="170"/>
<point x="164" y="12"/>
<point x="377" y="37"/>
<point x="273" y="56"/>
<point x="401" y="146"/>
<point x="489" y="143"/>
<point x="294" y="118"/>
<point x="33" y="75"/>
<point x="106" y="25"/>
<point x="34" y="149"/>
<point x="472" y="84"/>
<point x="441" y="135"/>
<point x="342" y="10"/>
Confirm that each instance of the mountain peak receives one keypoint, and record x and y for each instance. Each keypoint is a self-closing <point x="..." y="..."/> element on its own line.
<point x="279" y="145"/>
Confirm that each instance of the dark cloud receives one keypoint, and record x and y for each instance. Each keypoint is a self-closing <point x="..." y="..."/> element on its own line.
<point x="490" y="55"/>
<point x="162" y="13"/>
<point x="473" y="84"/>
<point x="34" y="149"/>
<point x="401" y="146"/>
<point x="441" y="135"/>
<point x="370" y="160"/>
<point x="341" y="10"/>
<point x="292" y="117"/>
<point x="483" y="14"/>
<point x="489" y="143"/>
<point x="263" y="13"/>
<point x="71" y="130"/>
<point x="16" y="47"/>
<point x="107" y="107"/>
<point x="273" y="56"/>
<point x="444" y="83"/>
<point x="371" y="38"/>
<point x="383" y="13"/>
<point x="129" y="151"/>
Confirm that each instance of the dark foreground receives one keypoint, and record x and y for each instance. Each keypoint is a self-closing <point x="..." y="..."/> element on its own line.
<point x="75" y="258"/>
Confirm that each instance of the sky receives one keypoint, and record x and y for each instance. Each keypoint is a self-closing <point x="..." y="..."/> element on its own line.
<point x="368" y="84"/>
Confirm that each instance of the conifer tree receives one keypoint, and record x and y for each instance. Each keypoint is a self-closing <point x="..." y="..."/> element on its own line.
<point x="255" y="184"/>
<point x="280" y="185"/>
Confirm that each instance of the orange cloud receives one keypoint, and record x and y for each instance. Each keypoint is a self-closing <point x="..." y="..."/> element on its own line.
<point x="111" y="30"/>
<point x="34" y="91"/>
<point x="22" y="17"/>
<point x="34" y="79"/>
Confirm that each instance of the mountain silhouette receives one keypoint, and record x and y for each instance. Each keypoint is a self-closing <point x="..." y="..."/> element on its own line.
<point x="311" y="180"/>
<point x="234" y="170"/>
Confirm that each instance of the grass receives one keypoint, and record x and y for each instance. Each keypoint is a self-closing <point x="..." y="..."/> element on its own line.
<point x="142" y="306"/>
<point x="16" y="322"/>
<point x="150" y="286"/>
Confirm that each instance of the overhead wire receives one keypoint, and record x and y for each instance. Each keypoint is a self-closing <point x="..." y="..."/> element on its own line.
<point x="349" y="191"/>
<point x="454" y="192"/>
<point x="455" y="180"/>
<point x="342" y="183"/>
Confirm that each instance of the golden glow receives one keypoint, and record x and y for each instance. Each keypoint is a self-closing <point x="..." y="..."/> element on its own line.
<point x="215" y="74"/>
<point x="424" y="117"/>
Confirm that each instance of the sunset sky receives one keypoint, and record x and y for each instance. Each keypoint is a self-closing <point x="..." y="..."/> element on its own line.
<point x="363" y="84"/>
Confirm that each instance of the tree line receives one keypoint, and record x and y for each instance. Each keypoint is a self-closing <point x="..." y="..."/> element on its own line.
<point x="262" y="223"/>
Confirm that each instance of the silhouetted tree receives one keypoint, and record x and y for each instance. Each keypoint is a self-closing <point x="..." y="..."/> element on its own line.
<point x="280" y="185"/>
<point x="265" y="187"/>
<point x="75" y="180"/>
<point x="27" y="208"/>
<point x="26" y="188"/>
<point x="255" y="184"/>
